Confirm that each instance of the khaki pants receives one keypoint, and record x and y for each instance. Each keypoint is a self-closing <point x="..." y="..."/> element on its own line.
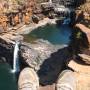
<point x="28" y="80"/>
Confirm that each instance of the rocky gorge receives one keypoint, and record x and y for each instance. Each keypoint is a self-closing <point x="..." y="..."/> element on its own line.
<point x="43" y="54"/>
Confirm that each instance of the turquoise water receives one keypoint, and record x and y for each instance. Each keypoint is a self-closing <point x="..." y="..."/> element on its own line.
<point x="52" y="33"/>
<point x="7" y="79"/>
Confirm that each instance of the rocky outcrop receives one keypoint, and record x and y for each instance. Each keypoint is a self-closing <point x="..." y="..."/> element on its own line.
<point x="84" y="29"/>
<point x="81" y="63"/>
<point x="85" y="6"/>
<point x="83" y="13"/>
<point x="85" y="58"/>
<point x="6" y="50"/>
<point x="14" y="12"/>
<point x="35" y="54"/>
<point x="82" y="73"/>
<point x="77" y="38"/>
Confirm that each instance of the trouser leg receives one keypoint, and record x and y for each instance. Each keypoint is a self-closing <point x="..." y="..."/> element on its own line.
<point x="66" y="81"/>
<point x="28" y="80"/>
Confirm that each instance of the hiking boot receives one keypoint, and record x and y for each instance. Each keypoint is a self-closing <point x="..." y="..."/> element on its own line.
<point x="28" y="80"/>
<point x="66" y="81"/>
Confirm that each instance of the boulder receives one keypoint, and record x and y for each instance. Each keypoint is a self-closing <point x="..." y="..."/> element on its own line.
<point x="35" y="18"/>
<point x="82" y="74"/>
<point x="29" y="55"/>
<point x="1" y="29"/>
<point x="6" y="50"/>
<point x="85" y="58"/>
<point x="79" y="67"/>
<point x="84" y="29"/>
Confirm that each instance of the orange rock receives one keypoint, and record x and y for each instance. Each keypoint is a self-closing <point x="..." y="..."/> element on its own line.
<point x="3" y="22"/>
<point x="80" y="68"/>
<point x="83" y="81"/>
<point x="16" y="20"/>
<point x="4" y="25"/>
<point x="26" y="18"/>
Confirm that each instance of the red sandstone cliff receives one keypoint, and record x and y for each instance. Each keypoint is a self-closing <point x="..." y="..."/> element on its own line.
<point x="13" y="12"/>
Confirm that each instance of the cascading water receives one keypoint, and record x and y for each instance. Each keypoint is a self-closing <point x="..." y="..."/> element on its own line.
<point x="67" y="20"/>
<point x="16" y="58"/>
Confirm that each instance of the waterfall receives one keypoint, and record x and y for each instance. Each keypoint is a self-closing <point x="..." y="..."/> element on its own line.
<point x="67" y="20"/>
<point x="16" y="58"/>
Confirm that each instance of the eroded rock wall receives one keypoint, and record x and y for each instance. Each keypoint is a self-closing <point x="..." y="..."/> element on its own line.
<point x="6" y="51"/>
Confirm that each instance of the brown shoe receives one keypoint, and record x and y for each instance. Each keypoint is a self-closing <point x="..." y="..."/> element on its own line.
<point x="66" y="81"/>
<point x="28" y="80"/>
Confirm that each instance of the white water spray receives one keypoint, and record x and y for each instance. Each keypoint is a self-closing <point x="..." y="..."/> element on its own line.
<point x="16" y="58"/>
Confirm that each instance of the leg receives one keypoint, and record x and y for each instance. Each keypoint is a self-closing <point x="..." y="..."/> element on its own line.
<point x="28" y="80"/>
<point x="66" y="81"/>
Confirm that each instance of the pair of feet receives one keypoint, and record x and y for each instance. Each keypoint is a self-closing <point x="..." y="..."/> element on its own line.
<point x="29" y="80"/>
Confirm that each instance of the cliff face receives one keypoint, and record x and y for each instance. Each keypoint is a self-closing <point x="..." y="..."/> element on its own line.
<point x="6" y="51"/>
<point x="83" y="13"/>
<point x="13" y="12"/>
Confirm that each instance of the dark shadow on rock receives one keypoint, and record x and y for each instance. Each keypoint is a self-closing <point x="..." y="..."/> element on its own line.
<point x="51" y="67"/>
<point x="6" y="51"/>
<point x="79" y="42"/>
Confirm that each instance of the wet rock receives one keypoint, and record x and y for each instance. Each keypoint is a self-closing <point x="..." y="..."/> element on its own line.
<point x="6" y="51"/>
<point x="35" y="19"/>
<point x="1" y="29"/>
<point x="2" y="60"/>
